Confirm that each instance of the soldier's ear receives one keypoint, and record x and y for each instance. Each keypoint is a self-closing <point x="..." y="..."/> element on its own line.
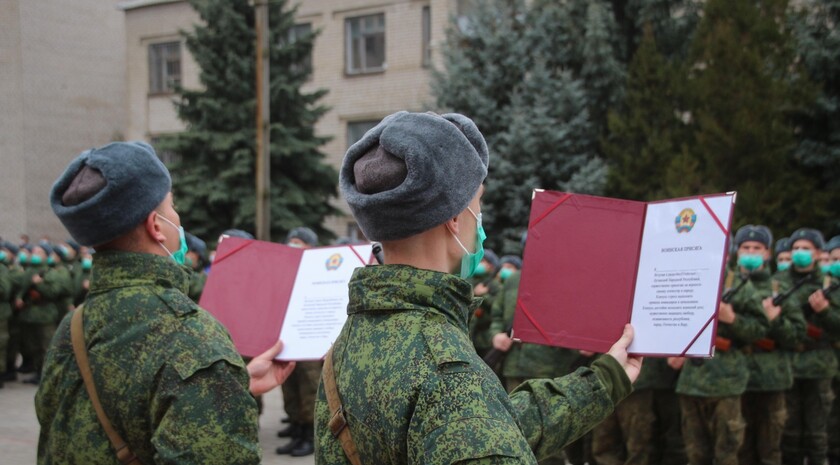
<point x="153" y="227"/>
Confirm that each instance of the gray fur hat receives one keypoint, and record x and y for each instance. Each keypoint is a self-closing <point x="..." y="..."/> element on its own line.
<point x="513" y="260"/>
<point x="303" y="233"/>
<point x="491" y="258"/>
<point x="782" y="245"/>
<point x="808" y="234"/>
<point x="833" y="243"/>
<point x="106" y="192"/>
<point x="412" y="172"/>
<point x="753" y="233"/>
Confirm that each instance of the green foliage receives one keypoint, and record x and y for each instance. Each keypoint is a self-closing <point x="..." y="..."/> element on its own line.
<point x="538" y="78"/>
<point x="214" y="175"/>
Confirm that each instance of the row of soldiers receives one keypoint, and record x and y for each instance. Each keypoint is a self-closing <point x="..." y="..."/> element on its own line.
<point x="767" y="396"/>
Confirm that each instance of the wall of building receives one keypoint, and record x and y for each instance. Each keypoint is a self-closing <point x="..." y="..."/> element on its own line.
<point x="63" y="90"/>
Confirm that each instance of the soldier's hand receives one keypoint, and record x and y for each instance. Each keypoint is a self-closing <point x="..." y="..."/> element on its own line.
<point x="726" y="314"/>
<point x="632" y="364"/>
<point x="19" y="304"/>
<point x="37" y="279"/>
<point x="480" y="289"/>
<point x="676" y="363"/>
<point x="502" y="342"/>
<point x="772" y="311"/>
<point x="818" y="301"/>
<point x="86" y="284"/>
<point x="586" y="353"/>
<point x="267" y="373"/>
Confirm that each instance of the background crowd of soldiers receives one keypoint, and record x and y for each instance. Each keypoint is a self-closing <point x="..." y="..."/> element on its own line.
<point x="766" y="397"/>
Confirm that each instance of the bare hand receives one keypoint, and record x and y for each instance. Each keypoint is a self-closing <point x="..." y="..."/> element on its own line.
<point x="818" y="301"/>
<point x="632" y="364"/>
<point x="772" y="311"/>
<point x="19" y="304"/>
<point x="502" y="342"/>
<point x="480" y="289"/>
<point x="37" y="279"/>
<point x="676" y="363"/>
<point x="86" y="284"/>
<point x="726" y="314"/>
<point x="267" y="373"/>
<point x="586" y="353"/>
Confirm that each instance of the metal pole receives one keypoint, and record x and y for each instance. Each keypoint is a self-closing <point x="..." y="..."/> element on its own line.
<point x="263" y="170"/>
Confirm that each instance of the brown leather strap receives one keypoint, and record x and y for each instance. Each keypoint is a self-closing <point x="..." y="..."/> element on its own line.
<point x="77" y="336"/>
<point x="338" y="422"/>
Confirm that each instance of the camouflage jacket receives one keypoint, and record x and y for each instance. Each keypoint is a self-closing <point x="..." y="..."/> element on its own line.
<point x="167" y="375"/>
<point x="197" y="280"/>
<point x="414" y="390"/>
<point x="481" y="318"/>
<point x="771" y="370"/>
<point x="6" y="295"/>
<point x="814" y="357"/>
<point x="726" y="374"/>
<point x="656" y="374"/>
<point x="41" y="300"/>
<point x="525" y="360"/>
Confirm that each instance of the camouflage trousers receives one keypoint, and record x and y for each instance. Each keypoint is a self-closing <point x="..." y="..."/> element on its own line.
<point x="713" y="429"/>
<point x="625" y="437"/>
<point x="13" y="344"/>
<point x="299" y="392"/>
<point x="668" y="446"/>
<point x="805" y="436"/>
<point x="34" y="340"/>
<point x="834" y="425"/>
<point x="510" y="384"/>
<point x="765" y="414"/>
<point x="4" y="342"/>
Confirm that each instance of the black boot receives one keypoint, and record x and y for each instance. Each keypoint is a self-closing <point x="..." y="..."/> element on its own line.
<point x="291" y="445"/>
<point x="293" y="430"/>
<point x="9" y="375"/>
<point x="306" y="446"/>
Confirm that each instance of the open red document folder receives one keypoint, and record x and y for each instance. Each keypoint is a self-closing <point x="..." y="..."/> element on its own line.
<point x="262" y="291"/>
<point x="593" y="264"/>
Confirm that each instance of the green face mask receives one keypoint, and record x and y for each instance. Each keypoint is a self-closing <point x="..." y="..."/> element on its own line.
<point x="783" y="266"/>
<point x="50" y="260"/>
<point x="36" y="260"/>
<point x="802" y="258"/>
<point x="22" y="258"/>
<point x="834" y="269"/>
<point x="87" y="263"/>
<point x="824" y="268"/>
<point x="505" y="273"/>
<point x="480" y="270"/>
<point x="180" y="255"/>
<point x="3" y="256"/>
<point x="470" y="261"/>
<point x="750" y="262"/>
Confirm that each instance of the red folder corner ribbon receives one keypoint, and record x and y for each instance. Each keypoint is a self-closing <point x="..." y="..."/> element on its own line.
<point x="717" y="220"/>
<point x="216" y="260"/>
<point x="533" y="321"/>
<point x="550" y="209"/>
<point x="697" y="336"/>
<point x="358" y="255"/>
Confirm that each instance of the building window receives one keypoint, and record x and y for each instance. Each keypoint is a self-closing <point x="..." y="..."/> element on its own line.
<point x="365" y="44"/>
<point x="354" y="232"/>
<point x="164" y="67"/>
<point x="296" y="32"/>
<point x="427" y="36"/>
<point x="357" y="129"/>
<point x="168" y="157"/>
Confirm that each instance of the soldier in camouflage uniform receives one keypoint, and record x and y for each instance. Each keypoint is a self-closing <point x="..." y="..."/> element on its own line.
<point x="6" y="256"/>
<point x="196" y="258"/>
<point x="166" y="372"/>
<point x="771" y="373"/>
<point x="710" y="390"/>
<point x="782" y="251"/>
<point x="814" y="363"/>
<point x="833" y="248"/>
<point x="412" y="388"/>
<point x="486" y="285"/>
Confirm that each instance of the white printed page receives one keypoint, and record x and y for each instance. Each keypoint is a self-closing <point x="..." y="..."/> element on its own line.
<point x="318" y="304"/>
<point x="679" y="276"/>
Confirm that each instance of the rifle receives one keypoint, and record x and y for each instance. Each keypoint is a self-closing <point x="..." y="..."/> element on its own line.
<point x="778" y="299"/>
<point x="494" y="355"/>
<point x="730" y="292"/>
<point x="829" y="288"/>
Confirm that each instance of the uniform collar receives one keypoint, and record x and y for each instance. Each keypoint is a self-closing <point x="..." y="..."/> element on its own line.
<point x="116" y="269"/>
<point x="402" y="287"/>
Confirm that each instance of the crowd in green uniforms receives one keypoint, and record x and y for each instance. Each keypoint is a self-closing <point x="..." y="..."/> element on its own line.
<point x="39" y="284"/>
<point x="768" y="394"/>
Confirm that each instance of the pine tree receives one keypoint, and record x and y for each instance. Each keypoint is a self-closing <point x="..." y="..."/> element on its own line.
<point x="817" y="29"/>
<point x="743" y="89"/>
<point x="214" y="180"/>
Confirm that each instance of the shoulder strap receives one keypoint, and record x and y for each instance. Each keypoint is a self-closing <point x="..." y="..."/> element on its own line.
<point x="77" y="336"/>
<point x="338" y="422"/>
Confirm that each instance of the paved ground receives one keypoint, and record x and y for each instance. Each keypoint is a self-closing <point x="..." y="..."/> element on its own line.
<point x="19" y="428"/>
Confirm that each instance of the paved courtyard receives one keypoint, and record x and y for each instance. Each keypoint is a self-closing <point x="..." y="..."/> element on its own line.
<point x="19" y="427"/>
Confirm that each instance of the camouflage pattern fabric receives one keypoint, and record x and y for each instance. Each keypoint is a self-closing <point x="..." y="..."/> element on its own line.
<point x="668" y="444"/>
<point x="713" y="429"/>
<point x="805" y="436"/>
<point x="415" y="391"/>
<point x="197" y="281"/>
<point x="166" y="372"/>
<point x="5" y="312"/>
<point x="481" y="318"/>
<point x="299" y="392"/>
<point x="625" y="437"/>
<point x="765" y="414"/>
<point x="834" y="425"/>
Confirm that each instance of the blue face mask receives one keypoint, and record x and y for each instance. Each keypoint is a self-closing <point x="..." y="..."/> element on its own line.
<point x="180" y="255"/>
<point x="824" y="268"/>
<point x="87" y="263"/>
<point x="50" y="260"/>
<point x="470" y="261"/>
<point x="3" y="256"/>
<point x="480" y="270"/>
<point x="750" y="262"/>
<point x="802" y="258"/>
<point x="834" y="269"/>
<point x="783" y="266"/>
<point x="36" y="260"/>
<point x="505" y="273"/>
<point x="22" y="258"/>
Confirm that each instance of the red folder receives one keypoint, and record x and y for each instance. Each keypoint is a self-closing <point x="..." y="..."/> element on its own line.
<point x="579" y="270"/>
<point x="249" y="288"/>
